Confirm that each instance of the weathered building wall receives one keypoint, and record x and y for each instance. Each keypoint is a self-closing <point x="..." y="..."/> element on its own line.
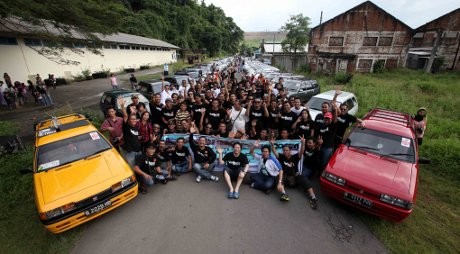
<point x="289" y="62"/>
<point x="358" y="38"/>
<point x="449" y="27"/>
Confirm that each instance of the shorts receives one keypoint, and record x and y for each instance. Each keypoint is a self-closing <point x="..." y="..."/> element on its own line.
<point x="233" y="173"/>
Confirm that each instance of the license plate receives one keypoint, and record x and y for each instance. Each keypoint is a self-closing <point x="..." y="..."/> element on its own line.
<point x="358" y="200"/>
<point x="98" y="208"/>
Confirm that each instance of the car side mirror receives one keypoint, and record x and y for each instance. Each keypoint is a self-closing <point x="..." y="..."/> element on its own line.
<point x="422" y="160"/>
<point x="25" y="171"/>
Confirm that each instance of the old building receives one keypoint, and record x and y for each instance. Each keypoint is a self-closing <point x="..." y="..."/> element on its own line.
<point x="24" y="53"/>
<point x="445" y="50"/>
<point x="359" y="39"/>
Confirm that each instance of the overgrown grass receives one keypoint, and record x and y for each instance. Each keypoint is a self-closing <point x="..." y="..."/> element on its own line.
<point x="434" y="226"/>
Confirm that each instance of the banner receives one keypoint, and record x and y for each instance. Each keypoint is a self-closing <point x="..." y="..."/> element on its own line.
<point x="227" y="145"/>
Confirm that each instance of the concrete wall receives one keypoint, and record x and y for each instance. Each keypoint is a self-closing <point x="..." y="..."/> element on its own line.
<point x="22" y="62"/>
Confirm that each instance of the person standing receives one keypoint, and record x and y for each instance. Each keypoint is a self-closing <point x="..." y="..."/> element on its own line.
<point x="113" y="81"/>
<point x="165" y="70"/>
<point x="131" y="146"/>
<point x="236" y="165"/>
<point x="133" y="81"/>
<point x="420" y="121"/>
<point x="113" y="124"/>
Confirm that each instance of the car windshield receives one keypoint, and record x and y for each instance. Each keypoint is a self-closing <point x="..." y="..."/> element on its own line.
<point x="69" y="150"/>
<point x="291" y="85"/>
<point x="315" y="103"/>
<point x="382" y="143"/>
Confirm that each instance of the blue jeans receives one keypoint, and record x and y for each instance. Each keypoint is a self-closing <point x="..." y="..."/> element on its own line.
<point x="180" y="167"/>
<point x="144" y="181"/>
<point x="130" y="157"/>
<point x="326" y="154"/>
<point x="262" y="182"/>
<point x="205" y="173"/>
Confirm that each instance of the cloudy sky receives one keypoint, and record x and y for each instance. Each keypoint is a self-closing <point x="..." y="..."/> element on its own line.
<point x="270" y="15"/>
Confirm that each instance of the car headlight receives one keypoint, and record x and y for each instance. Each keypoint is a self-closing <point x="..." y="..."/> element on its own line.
<point x="396" y="201"/>
<point x="123" y="183"/>
<point x="57" y="211"/>
<point x="333" y="178"/>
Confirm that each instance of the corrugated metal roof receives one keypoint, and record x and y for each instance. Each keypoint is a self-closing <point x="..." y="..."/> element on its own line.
<point x="19" y="27"/>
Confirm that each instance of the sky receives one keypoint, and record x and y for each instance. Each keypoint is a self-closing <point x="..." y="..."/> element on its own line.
<point x="271" y="15"/>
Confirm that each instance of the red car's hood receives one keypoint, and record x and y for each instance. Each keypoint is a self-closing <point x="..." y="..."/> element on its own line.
<point x="382" y="174"/>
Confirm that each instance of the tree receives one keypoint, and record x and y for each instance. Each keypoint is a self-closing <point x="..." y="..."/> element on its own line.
<point x="297" y="29"/>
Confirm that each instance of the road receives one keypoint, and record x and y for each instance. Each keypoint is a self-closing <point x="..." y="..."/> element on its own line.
<point x="184" y="216"/>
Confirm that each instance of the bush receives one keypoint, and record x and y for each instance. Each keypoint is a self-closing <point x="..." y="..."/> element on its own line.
<point x="379" y="66"/>
<point x="100" y="74"/>
<point x="145" y="67"/>
<point x="343" y="77"/>
<point x="129" y="70"/>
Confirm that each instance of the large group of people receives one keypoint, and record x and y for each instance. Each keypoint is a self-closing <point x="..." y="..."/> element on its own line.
<point x="224" y="105"/>
<point x="14" y="95"/>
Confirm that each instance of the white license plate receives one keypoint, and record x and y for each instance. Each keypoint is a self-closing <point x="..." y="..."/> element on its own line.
<point x="98" y="208"/>
<point x="358" y="200"/>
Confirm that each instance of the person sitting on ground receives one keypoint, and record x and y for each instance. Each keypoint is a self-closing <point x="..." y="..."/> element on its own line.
<point x="205" y="158"/>
<point x="264" y="180"/>
<point x="236" y="166"/>
<point x="181" y="158"/>
<point x="144" y="168"/>
<point x="163" y="163"/>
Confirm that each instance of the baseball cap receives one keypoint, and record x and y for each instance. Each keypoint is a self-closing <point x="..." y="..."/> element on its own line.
<point x="328" y="115"/>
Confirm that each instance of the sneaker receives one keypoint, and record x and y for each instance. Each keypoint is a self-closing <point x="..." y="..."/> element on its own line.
<point x="215" y="178"/>
<point x="284" y="197"/>
<point x="230" y="195"/>
<point x="164" y="181"/>
<point x="198" y="179"/>
<point x="314" y="203"/>
<point x="236" y="195"/>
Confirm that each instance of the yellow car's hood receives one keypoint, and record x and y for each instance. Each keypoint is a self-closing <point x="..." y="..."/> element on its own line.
<point x="80" y="177"/>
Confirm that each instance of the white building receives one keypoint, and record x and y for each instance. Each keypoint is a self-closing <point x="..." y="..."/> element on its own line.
<point x="21" y="60"/>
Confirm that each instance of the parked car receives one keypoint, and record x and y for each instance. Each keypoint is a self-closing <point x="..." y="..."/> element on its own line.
<point x="177" y="79"/>
<point x="376" y="168"/>
<point x="314" y="104"/>
<point x="303" y="89"/>
<point x="78" y="175"/>
<point x="109" y="99"/>
<point x="150" y="87"/>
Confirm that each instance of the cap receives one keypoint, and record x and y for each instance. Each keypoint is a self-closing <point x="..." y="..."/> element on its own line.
<point x="134" y="96"/>
<point x="420" y="109"/>
<point x="328" y="115"/>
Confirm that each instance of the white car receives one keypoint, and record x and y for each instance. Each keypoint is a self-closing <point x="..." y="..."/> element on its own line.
<point x="314" y="104"/>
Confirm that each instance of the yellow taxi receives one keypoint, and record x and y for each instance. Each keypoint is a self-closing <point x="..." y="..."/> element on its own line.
<point x="78" y="175"/>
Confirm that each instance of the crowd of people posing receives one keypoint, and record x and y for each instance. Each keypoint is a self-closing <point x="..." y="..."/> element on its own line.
<point x="14" y="95"/>
<point x="222" y="105"/>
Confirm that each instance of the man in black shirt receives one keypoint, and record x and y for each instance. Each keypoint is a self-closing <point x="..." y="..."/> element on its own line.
<point x="287" y="118"/>
<point x="197" y="109"/>
<point x="325" y="134"/>
<point x="168" y="112"/>
<point x="257" y="112"/>
<point x="344" y="120"/>
<point x="131" y="146"/>
<point x="215" y="115"/>
<point x="144" y="167"/>
<point x="181" y="159"/>
<point x="236" y="167"/>
<point x="311" y="159"/>
<point x="155" y="109"/>
<point x="290" y="174"/>
<point x="204" y="157"/>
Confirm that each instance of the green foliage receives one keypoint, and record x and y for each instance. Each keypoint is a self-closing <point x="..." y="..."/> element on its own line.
<point x="7" y="128"/>
<point x="297" y="29"/>
<point x="379" y="66"/>
<point x="343" y="77"/>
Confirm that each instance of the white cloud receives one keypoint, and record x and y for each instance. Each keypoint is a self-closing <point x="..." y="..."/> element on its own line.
<point x="272" y="14"/>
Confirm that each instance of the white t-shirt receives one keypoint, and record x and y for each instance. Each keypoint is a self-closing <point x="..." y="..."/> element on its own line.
<point x="297" y="111"/>
<point x="165" y="95"/>
<point x="239" y="121"/>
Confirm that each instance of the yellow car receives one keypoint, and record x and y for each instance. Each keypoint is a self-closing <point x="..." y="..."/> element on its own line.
<point x="78" y="175"/>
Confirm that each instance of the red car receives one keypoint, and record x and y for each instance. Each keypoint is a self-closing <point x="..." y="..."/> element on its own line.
<point x="376" y="169"/>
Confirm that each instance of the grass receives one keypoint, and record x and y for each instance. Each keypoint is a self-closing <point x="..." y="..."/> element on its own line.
<point x="434" y="226"/>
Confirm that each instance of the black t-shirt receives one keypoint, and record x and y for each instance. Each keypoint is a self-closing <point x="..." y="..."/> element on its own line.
<point x="168" y="114"/>
<point x="233" y="162"/>
<point x="196" y="109"/>
<point x="305" y="127"/>
<point x="215" y="117"/>
<point x="286" y="120"/>
<point x="311" y="159"/>
<point x="343" y="122"/>
<point x="163" y="156"/>
<point x="180" y="155"/>
<point x="257" y="114"/>
<point x="272" y="116"/>
<point x="146" y="163"/>
<point x="327" y="132"/>
<point x="131" y="138"/>
<point x="289" y="165"/>
<point x="319" y="119"/>
<point x="155" y="111"/>
<point x="227" y="105"/>
<point x="207" y="155"/>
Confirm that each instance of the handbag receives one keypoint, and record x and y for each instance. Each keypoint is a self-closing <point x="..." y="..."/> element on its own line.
<point x="230" y="125"/>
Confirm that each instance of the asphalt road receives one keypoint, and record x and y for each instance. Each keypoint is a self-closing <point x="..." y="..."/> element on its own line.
<point x="184" y="216"/>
